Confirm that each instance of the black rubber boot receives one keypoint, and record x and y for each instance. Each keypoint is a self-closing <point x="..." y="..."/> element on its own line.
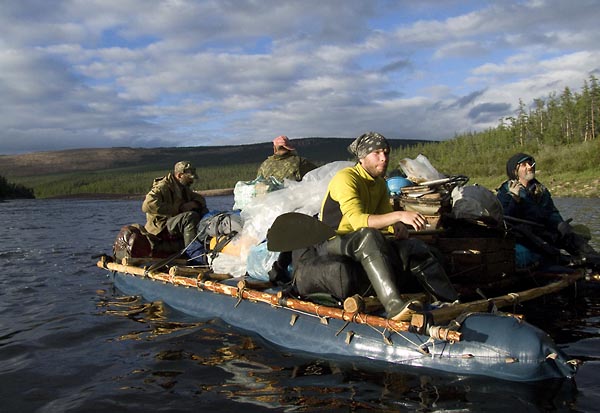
<point x="427" y="269"/>
<point x="384" y="284"/>
<point x="433" y="278"/>
<point x="184" y="224"/>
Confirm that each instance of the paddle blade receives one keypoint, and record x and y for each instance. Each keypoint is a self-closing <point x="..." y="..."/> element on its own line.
<point x="292" y="230"/>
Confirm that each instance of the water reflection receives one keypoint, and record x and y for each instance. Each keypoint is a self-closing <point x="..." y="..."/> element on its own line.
<point x="152" y="314"/>
<point x="252" y="372"/>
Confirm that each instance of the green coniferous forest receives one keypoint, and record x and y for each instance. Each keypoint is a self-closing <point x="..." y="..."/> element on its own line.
<point x="562" y="132"/>
<point x="10" y="190"/>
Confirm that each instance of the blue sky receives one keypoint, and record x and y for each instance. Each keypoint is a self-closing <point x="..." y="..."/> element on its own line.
<point x="142" y="73"/>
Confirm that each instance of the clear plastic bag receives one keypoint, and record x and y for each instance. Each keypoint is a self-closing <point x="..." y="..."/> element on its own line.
<point x="305" y="197"/>
<point x="419" y="170"/>
<point x="228" y="264"/>
<point x="245" y="191"/>
<point x="260" y="261"/>
<point x="258" y="215"/>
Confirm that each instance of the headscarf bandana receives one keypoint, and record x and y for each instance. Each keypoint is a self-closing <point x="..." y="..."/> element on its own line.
<point x="367" y="143"/>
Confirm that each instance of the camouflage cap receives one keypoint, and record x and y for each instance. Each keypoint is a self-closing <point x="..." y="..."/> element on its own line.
<point x="185" y="167"/>
<point x="283" y="142"/>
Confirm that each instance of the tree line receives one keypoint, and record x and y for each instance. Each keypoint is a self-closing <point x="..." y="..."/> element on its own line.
<point x="561" y="131"/>
<point x="10" y="190"/>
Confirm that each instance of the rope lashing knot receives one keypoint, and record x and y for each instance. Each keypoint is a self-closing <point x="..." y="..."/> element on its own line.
<point x="241" y="287"/>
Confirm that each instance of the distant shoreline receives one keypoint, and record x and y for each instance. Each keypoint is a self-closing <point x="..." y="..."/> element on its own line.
<point x="577" y="188"/>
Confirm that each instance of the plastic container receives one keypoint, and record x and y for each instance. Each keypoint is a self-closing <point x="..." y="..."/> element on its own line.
<point x="396" y="183"/>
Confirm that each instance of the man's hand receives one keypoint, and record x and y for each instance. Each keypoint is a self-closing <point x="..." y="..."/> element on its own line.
<point x="414" y="219"/>
<point x="514" y="187"/>
<point x="399" y="220"/>
<point x="565" y="228"/>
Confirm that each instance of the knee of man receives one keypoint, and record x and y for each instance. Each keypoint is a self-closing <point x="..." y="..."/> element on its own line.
<point x="412" y="249"/>
<point x="191" y="218"/>
<point x="370" y="240"/>
<point x="371" y="234"/>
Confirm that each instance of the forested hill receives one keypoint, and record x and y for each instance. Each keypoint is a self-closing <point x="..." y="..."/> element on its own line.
<point x="319" y="150"/>
<point x="561" y="130"/>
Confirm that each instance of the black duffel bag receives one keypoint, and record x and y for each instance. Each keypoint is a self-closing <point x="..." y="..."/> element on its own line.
<point x="318" y="276"/>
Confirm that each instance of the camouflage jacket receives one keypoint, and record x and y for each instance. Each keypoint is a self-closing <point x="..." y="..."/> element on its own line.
<point x="288" y="166"/>
<point x="165" y="200"/>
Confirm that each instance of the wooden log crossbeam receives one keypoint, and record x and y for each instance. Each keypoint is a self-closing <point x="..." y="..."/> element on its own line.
<point x="448" y="313"/>
<point x="152" y="260"/>
<point x="273" y="299"/>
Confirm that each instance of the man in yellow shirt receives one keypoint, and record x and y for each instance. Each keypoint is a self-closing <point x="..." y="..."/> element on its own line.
<point x="357" y="205"/>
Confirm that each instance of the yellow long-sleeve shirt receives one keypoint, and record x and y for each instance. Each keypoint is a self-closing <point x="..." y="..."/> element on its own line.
<point x="353" y="195"/>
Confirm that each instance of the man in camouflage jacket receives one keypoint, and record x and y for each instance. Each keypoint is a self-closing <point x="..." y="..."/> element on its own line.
<point x="172" y="206"/>
<point x="285" y="162"/>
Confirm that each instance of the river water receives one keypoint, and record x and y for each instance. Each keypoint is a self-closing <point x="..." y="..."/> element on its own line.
<point x="69" y="342"/>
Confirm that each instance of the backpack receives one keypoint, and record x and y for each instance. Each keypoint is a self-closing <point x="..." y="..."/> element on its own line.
<point x="131" y="242"/>
<point x="222" y="226"/>
<point x="476" y="203"/>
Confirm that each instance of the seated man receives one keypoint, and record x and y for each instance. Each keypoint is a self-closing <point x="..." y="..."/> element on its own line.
<point x="171" y="207"/>
<point x="285" y="162"/>
<point x="538" y="224"/>
<point x="357" y="204"/>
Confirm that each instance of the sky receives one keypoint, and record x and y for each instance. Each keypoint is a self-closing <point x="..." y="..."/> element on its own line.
<point x="149" y="73"/>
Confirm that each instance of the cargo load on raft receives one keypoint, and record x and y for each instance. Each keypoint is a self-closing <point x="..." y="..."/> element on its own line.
<point x="238" y="280"/>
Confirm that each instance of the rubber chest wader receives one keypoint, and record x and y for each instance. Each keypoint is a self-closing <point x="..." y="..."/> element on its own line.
<point x="369" y="247"/>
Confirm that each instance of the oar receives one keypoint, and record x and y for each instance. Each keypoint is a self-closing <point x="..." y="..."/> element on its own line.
<point x="522" y="221"/>
<point x="171" y="258"/>
<point x="579" y="229"/>
<point x="293" y="230"/>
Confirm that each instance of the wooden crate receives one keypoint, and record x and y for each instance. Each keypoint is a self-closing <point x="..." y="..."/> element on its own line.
<point x="477" y="260"/>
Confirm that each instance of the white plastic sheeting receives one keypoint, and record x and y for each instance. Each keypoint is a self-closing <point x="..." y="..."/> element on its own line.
<point x="305" y="197"/>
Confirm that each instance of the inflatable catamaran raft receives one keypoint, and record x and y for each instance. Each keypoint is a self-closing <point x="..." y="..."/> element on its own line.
<point x="468" y="338"/>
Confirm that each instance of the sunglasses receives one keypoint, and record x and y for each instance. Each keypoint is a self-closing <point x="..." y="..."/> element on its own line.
<point x="528" y="162"/>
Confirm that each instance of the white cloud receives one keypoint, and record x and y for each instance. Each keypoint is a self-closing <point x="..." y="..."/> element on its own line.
<point x="133" y="72"/>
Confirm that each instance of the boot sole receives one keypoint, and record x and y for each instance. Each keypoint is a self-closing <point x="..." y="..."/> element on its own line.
<point x="412" y="307"/>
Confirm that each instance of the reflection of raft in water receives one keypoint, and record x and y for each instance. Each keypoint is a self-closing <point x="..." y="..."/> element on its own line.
<point x="460" y="339"/>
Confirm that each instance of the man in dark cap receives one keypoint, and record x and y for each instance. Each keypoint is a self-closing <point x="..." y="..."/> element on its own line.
<point x="172" y="209"/>
<point x="357" y="205"/>
<point x="285" y="163"/>
<point x="545" y="231"/>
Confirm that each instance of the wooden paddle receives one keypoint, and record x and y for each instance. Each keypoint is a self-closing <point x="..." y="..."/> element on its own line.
<point x="293" y="230"/>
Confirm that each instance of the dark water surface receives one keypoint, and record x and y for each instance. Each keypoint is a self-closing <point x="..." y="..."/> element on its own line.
<point x="70" y="343"/>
